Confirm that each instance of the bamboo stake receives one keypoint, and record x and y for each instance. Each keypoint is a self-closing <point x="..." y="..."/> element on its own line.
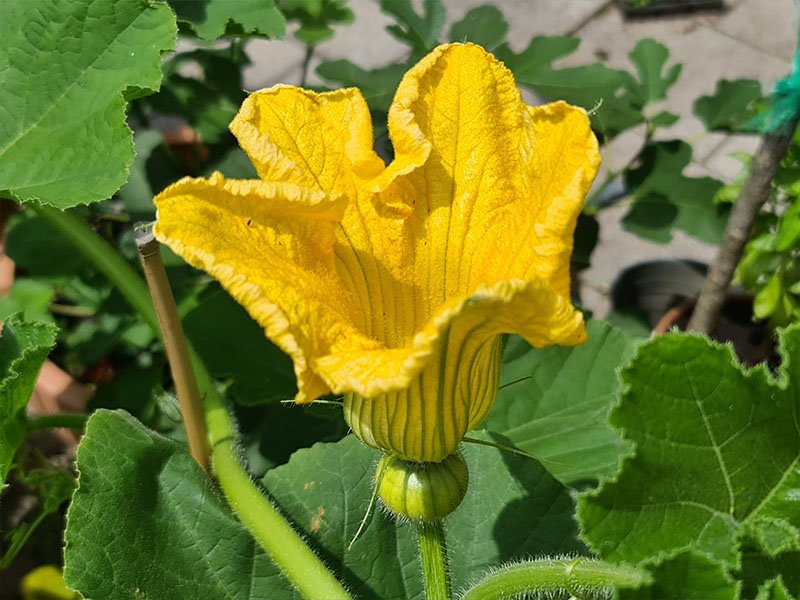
<point x="176" y="347"/>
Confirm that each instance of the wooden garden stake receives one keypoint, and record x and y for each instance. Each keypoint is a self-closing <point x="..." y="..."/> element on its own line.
<point x="175" y="345"/>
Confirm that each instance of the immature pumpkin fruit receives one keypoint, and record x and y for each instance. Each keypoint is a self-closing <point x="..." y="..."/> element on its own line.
<point x="424" y="492"/>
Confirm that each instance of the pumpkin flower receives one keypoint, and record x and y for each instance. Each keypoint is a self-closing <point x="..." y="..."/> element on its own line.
<point x="392" y="284"/>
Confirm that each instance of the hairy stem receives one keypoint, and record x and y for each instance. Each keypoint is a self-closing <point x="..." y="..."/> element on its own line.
<point x="433" y="552"/>
<point x="754" y="194"/>
<point x="579" y="577"/>
<point x="261" y="518"/>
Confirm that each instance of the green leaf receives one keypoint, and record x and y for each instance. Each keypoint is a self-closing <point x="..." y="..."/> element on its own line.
<point x="208" y="102"/>
<point x="271" y="433"/>
<point x="212" y="19"/>
<point x="234" y="346"/>
<point x="146" y="523"/>
<point x="326" y="489"/>
<point x="731" y="106"/>
<point x="53" y="486"/>
<point x="32" y="243"/>
<point x="767" y="299"/>
<point x="137" y="485"/>
<point x="316" y="17"/>
<point x="24" y="346"/>
<point x="31" y="298"/>
<point x="421" y="32"/>
<point x="538" y="57"/>
<point x="717" y="454"/>
<point x="554" y="402"/>
<point x="650" y="57"/>
<point x="685" y="576"/>
<point x="152" y="170"/>
<point x="757" y="571"/>
<point x="63" y="138"/>
<point x="377" y="86"/>
<point x="665" y="198"/>
<point x="584" y="240"/>
<point x="787" y="237"/>
<point x="597" y="88"/>
<point x="664" y="119"/>
<point x="484" y="25"/>
<point x="773" y="590"/>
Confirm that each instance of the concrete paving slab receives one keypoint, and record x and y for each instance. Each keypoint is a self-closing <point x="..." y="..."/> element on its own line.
<point x="274" y="61"/>
<point x="528" y="18"/>
<point x="723" y="163"/>
<point x="706" y="54"/>
<point x="619" y="249"/>
<point x="746" y="41"/>
<point x="764" y="24"/>
<point x="365" y="41"/>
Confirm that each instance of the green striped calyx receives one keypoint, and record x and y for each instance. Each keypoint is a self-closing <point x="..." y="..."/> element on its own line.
<point x="422" y="491"/>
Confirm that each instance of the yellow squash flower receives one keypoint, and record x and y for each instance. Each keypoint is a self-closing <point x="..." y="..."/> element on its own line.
<point x="392" y="284"/>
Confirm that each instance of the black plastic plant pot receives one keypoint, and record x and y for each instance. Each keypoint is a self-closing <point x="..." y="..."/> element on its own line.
<point x="633" y="9"/>
<point x="652" y="288"/>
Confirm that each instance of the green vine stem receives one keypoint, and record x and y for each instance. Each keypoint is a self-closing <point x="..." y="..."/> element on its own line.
<point x="434" y="560"/>
<point x="581" y="577"/>
<point x="105" y="259"/>
<point x="261" y="518"/>
<point x="65" y="420"/>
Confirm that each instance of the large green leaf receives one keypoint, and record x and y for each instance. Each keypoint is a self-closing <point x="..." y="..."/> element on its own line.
<point x="23" y="348"/>
<point x="717" y="454"/>
<point x="685" y="576"/>
<point x="650" y="57"/>
<point x="211" y="19"/>
<point x="316" y="17"/>
<point x="145" y="523"/>
<point x="554" y="403"/>
<point x="758" y="570"/>
<point x="420" y="31"/>
<point x="65" y="74"/>
<point x="513" y="508"/>
<point x="235" y="347"/>
<point x="774" y="590"/>
<point x="29" y="297"/>
<point x="601" y="90"/>
<point x="145" y="518"/>
<point x="731" y="106"/>
<point x="666" y="199"/>
<point x="484" y="25"/>
<point x="538" y="56"/>
<point x="378" y="85"/>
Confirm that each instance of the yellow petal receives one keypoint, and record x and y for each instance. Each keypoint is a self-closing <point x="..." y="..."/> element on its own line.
<point x="493" y="187"/>
<point x="447" y="381"/>
<point x="315" y="140"/>
<point x="392" y="284"/>
<point x="271" y="246"/>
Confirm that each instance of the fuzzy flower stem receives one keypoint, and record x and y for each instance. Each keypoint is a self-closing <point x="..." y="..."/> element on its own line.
<point x="581" y="577"/>
<point x="434" y="560"/>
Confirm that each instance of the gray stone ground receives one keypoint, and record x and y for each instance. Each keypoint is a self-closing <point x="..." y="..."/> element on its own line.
<point x="752" y="38"/>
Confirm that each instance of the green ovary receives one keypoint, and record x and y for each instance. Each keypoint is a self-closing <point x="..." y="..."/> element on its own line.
<point x="422" y="492"/>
